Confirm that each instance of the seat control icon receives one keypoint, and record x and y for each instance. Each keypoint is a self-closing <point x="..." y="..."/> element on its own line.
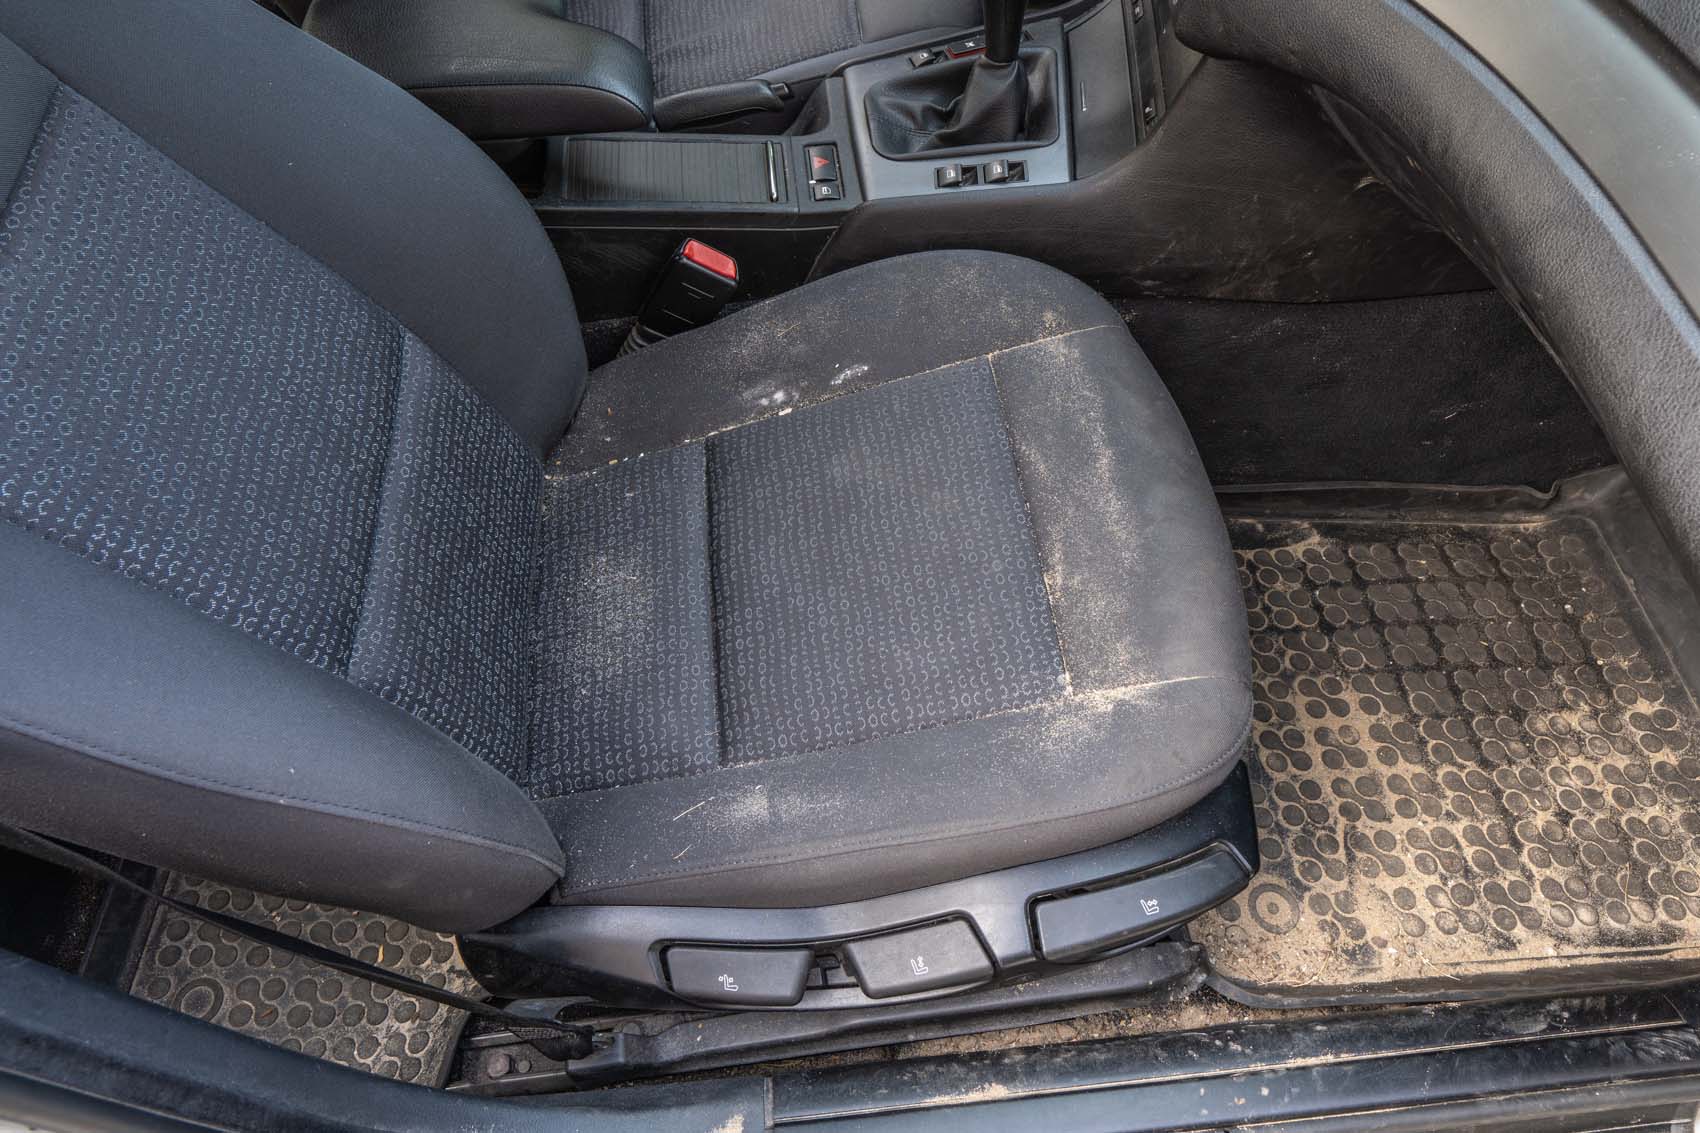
<point x="944" y="954"/>
<point x="753" y="977"/>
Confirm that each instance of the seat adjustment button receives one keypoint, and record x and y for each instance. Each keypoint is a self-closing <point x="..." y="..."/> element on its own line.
<point x="921" y="959"/>
<point x="751" y="977"/>
<point x="1075" y="928"/>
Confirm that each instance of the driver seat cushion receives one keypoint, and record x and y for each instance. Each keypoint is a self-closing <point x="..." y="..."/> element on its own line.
<point x="920" y="555"/>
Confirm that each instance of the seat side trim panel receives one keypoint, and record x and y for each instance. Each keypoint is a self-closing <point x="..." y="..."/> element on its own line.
<point x="303" y="784"/>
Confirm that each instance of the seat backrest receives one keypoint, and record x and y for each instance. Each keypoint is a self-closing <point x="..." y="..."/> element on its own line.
<point x="279" y="354"/>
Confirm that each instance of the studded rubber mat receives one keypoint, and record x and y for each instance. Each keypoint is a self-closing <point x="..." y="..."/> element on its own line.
<point x="208" y="973"/>
<point x="1474" y="768"/>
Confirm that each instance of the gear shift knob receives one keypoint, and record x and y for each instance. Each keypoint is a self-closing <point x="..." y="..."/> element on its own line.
<point x="1003" y="28"/>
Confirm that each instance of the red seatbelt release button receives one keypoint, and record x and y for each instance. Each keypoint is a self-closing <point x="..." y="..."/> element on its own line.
<point x="711" y="259"/>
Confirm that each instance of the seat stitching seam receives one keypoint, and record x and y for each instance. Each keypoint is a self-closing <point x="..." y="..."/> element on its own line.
<point x="798" y="756"/>
<point x="534" y="640"/>
<point x="85" y="747"/>
<point x="1231" y="752"/>
<point x="360" y="610"/>
<point x="830" y="397"/>
<point x="1027" y="516"/>
<point x="142" y="586"/>
<point x="59" y="89"/>
<point x="394" y="318"/>
<point x="723" y="740"/>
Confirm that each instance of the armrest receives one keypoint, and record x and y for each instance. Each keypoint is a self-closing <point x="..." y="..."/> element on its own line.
<point x="496" y="68"/>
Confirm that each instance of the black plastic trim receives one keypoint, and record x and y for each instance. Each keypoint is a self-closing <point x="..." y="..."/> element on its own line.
<point x="75" y="1055"/>
<point x="614" y="952"/>
<point x="1243" y="1075"/>
<point x="647" y="1045"/>
<point x="1622" y="101"/>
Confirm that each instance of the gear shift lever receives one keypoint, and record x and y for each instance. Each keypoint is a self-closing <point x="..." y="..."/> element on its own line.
<point x="958" y="104"/>
<point x="1003" y="28"/>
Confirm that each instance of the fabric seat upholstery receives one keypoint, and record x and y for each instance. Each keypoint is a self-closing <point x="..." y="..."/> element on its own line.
<point x="904" y="576"/>
<point x="961" y="436"/>
<point x="693" y="44"/>
<point x="274" y="377"/>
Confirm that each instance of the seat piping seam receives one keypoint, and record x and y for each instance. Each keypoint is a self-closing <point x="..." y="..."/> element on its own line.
<point x="830" y="397"/>
<point x="1027" y="517"/>
<point x="360" y="608"/>
<point x="342" y="810"/>
<point x="59" y="89"/>
<point x="1232" y="751"/>
<point x="331" y="271"/>
<point x="716" y="649"/>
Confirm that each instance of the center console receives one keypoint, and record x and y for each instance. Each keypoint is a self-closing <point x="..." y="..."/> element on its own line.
<point x="1038" y="155"/>
<point x="1024" y="105"/>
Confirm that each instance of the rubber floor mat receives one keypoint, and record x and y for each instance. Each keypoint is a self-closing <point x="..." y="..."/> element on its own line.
<point x="1474" y="768"/>
<point x="208" y="973"/>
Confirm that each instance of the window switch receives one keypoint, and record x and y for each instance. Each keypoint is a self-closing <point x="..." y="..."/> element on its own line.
<point x="997" y="171"/>
<point x="922" y="57"/>
<point x="948" y="176"/>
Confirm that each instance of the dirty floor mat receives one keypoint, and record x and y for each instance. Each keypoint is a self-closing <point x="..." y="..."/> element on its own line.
<point x="208" y="973"/>
<point x="1474" y="768"/>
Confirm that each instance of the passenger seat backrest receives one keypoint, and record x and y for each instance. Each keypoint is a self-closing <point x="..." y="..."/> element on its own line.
<point x="279" y="353"/>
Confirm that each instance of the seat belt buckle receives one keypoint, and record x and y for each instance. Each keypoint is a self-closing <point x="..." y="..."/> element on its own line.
<point x="695" y="285"/>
